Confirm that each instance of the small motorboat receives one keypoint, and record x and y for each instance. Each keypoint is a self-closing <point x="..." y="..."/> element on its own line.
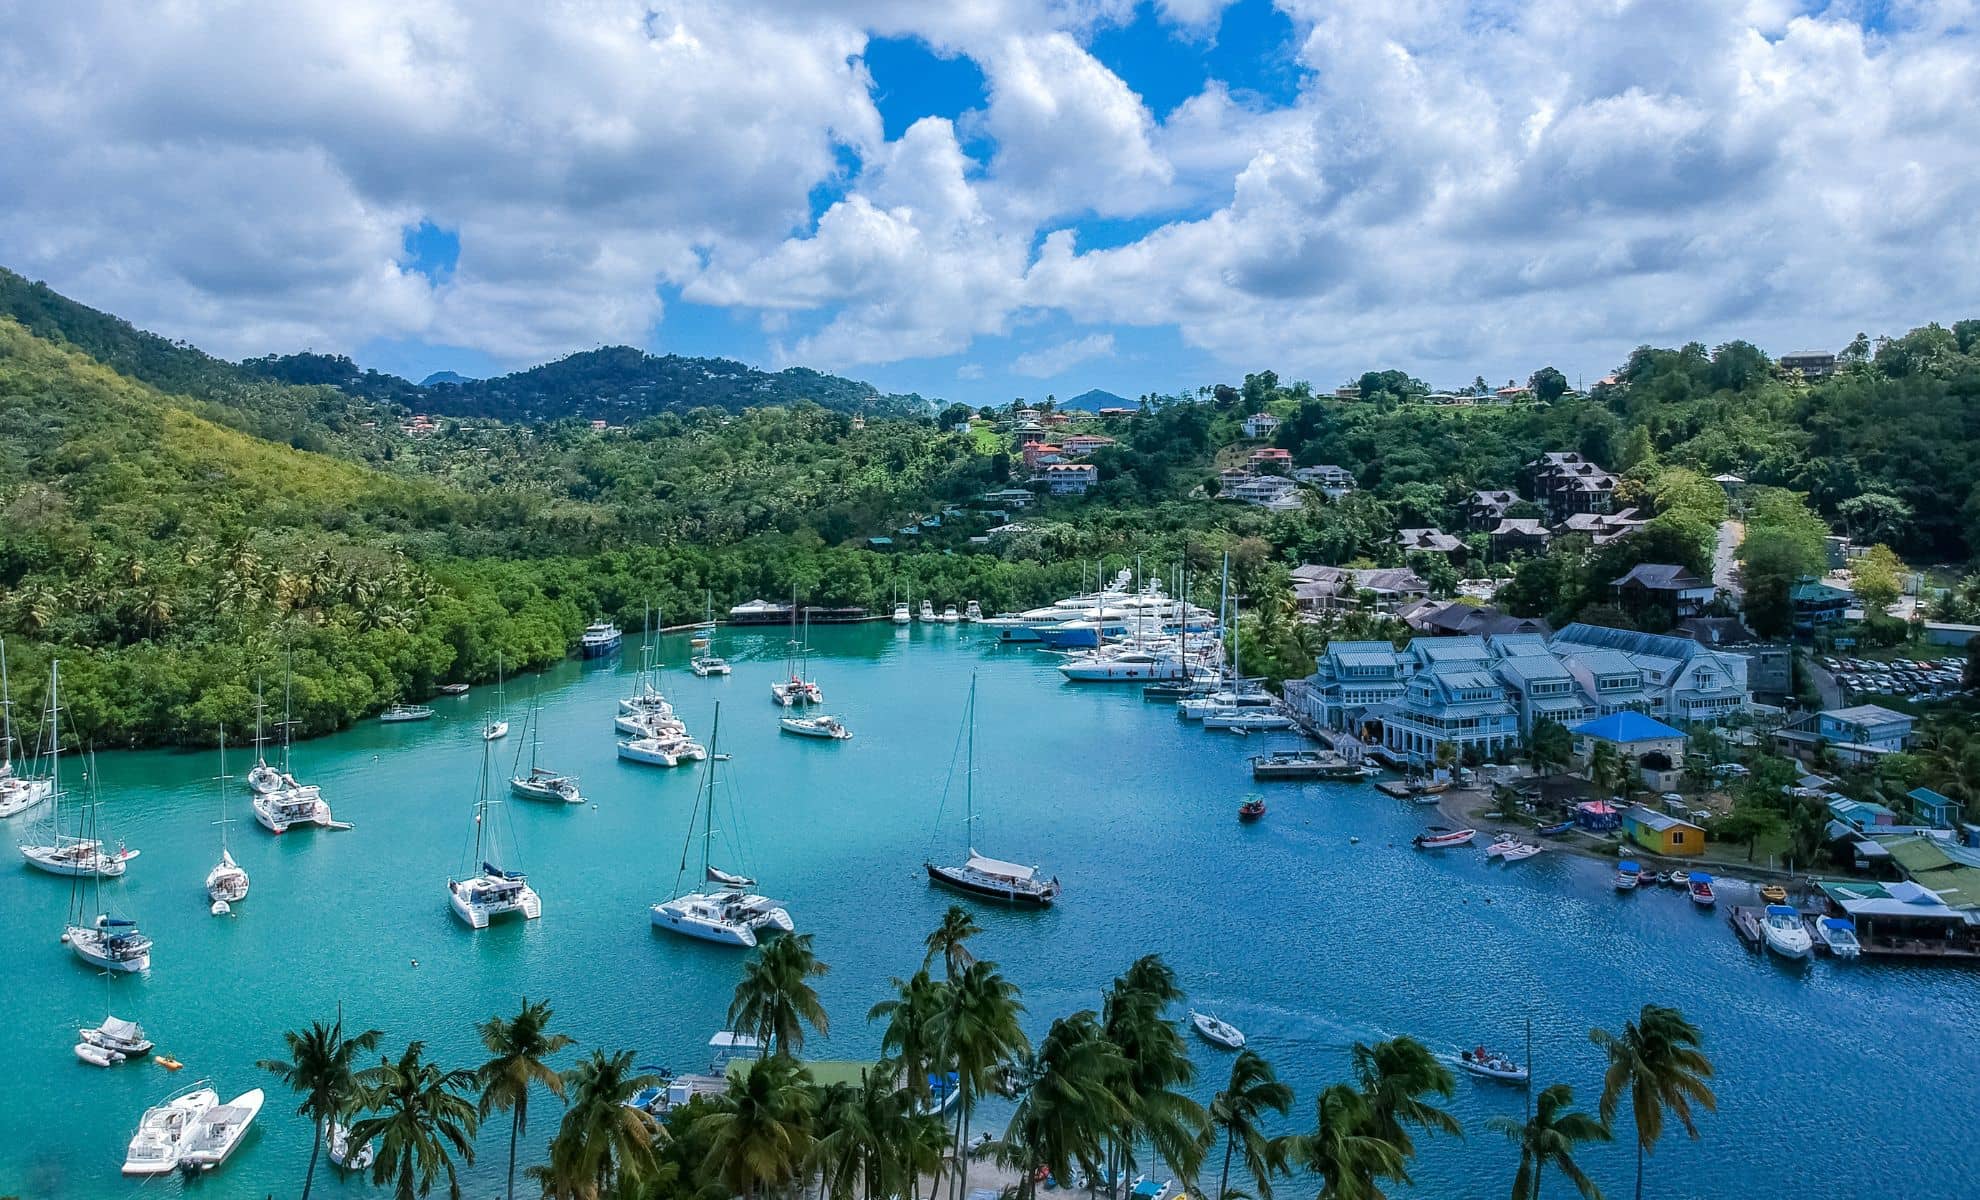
<point x="827" y="728"/>
<point x="97" y="1056"/>
<point x="647" y="1099"/>
<point x="1701" y="890"/>
<point x="406" y="712"/>
<point x="1500" y="845"/>
<point x="1518" y="851"/>
<point x="1628" y="875"/>
<point x="1491" y="1065"/>
<point x="1252" y="809"/>
<point x="1216" y="1032"/>
<point x="1774" y="893"/>
<point x="342" y="1156"/>
<point x="452" y="689"/>
<point x="1555" y="830"/>
<point x="1785" y="934"/>
<point x="217" y="1131"/>
<point x="1661" y="878"/>
<point x="1839" y="935"/>
<point x="1437" y="838"/>
<point x="1678" y="879"/>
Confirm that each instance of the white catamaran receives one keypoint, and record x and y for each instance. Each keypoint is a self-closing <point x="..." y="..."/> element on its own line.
<point x="63" y="854"/>
<point x="977" y="875"/>
<point x="18" y="793"/>
<point x="490" y="891"/>
<point x="729" y="913"/>
<point x="227" y="882"/>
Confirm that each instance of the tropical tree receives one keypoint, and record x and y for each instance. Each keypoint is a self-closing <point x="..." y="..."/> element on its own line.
<point x="1134" y="1013"/>
<point x="980" y="1034"/>
<point x="602" y="1137"/>
<point x="762" y="1127"/>
<point x="1549" y="1138"/>
<point x="321" y="1068"/>
<point x="1396" y="1078"/>
<point x="946" y="942"/>
<point x="774" y="998"/>
<point x="913" y="1034"/>
<point x="1341" y="1150"/>
<point x="1070" y="1106"/>
<point x="1656" y="1060"/>
<point x="1252" y="1091"/>
<point x="519" y="1046"/>
<point x="421" y="1120"/>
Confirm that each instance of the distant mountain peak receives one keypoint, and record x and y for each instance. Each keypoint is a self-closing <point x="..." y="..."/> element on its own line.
<point x="454" y="377"/>
<point x="1095" y="400"/>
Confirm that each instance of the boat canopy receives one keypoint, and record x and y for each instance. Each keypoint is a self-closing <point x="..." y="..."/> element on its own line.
<point x="489" y="868"/>
<point x="1780" y="910"/>
<point x="107" y="922"/>
<point x="1629" y="864"/>
<point x="1839" y="923"/>
<point x="1700" y="877"/>
<point x="717" y="875"/>
<point x="999" y="868"/>
<point x="121" y="1030"/>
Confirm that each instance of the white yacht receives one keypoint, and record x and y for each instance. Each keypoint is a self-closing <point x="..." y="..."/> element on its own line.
<point x="927" y="612"/>
<point x="227" y="882"/>
<point x="1839" y="935"/>
<point x="278" y="812"/>
<point x="901" y="614"/>
<point x="162" y="1131"/>
<point x="490" y="891"/>
<point x="262" y="778"/>
<point x="112" y="943"/>
<point x="730" y="913"/>
<point x="655" y="722"/>
<point x="1785" y="933"/>
<point x="1246" y="719"/>
<point x="338" y="1144"/>
<point x="62" y="854"/>
<point x="18" y="793"/>
<point x="821" y="726"/>
<point x="705" y="665"/>
<point x="600" y="639"/>
<point x="215" y="1133"/>
<point x="1123" y="666"/>
<point x="539" y="782"/>
<point x="498" y="725"/>
<point x="973" y="613"/>
<point x="949" y="615"/>
<point x="651" y="751"/>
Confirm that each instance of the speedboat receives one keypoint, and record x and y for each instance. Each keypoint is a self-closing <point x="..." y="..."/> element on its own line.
<point x="1217" y="1032"/>
<point x="973" y="612"/>
<point x="406" y="712"/>
<point x="1491" y="1065"/>
<point x="1701" y="890"/>
<point x="112" y="943"/>
<point x="1628" y="875"/>
<point x="949" y="615"/>
<point x="901" y="615"/>
<point x="118" y="1035"/>
<point x="1252" y="809"/>
<point x="600" y="638"/>
<point x="821" y="726"/>
<point x="341" y="1154"/>
<point x="493" y="893"/>
<point x="1437" y="838"/>
<point x="1122" y="666"/>
<point x="454" y="689"/>
<point x="1839" y="935"/>
<point x="927" y="612"/>
<point x="1785" y="934"/>
<point x="544" y="784"/>
<point x="216" y="1132"/>
<point x="705" y="665"/>
<point x="162" y="1131"/>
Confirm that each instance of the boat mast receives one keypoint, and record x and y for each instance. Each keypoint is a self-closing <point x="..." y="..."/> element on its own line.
<point x="288" y="706"/>
<point x="969" y="774"/>
<point x="260" y="711"/>
<point x="481" y="806"/>
<point x="708" y="817"/>
<point x="6" y="714"/>
<point x="55" y="747"/>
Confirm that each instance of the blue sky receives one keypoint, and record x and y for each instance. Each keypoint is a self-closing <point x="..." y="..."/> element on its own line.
<point x="1014" y="197"/>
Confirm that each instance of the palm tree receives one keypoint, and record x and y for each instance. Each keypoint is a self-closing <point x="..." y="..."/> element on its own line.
<point x="1072" y="1104"/>
<point x="519" y="1045"/>
<point x="1134" y="1012"/>
<point x="1395" y="1077"/>
<point x="980" y="1033"/>
<point x="1341" y="1151"/>
<point x="1548" y="1138"/>
<point x="947" y="941"/>
<point x="774" y="998"/>
<point x="913" y="1027"/>
<point x="422" y="1119"/>
<point x="761" y="1127"/>
<point x="320" y="1069"/>
<point x="1656" y="1060"/>
<point x="1252" y="1091"/>
<point x="602" y="1138"/>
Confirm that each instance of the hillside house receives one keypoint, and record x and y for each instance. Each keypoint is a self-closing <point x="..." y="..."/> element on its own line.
<point x="1334" y="481"/>
<point x="1519" y="535"/>
<point x="1564" y="483"/>
<point x="1666" y="588"/>
<point x="1070" y="479"/>
<point x="1485" y="509"/>
<point x="1260" y="425"/>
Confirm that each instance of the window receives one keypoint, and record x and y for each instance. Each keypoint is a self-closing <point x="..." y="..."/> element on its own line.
<point x="1677" y="837"/>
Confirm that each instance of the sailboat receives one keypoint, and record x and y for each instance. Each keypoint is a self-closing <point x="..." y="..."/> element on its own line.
<point x="705" y="661"/>
<point x="18" y="793"/>
<point x="729" y="913"/>
<point x="261" y="778"/>
<point x="63" y="854"/>
<point x="227" y="882"/>
<point x="797" y="689"/>
<point x="110" y="942"/>
<point x="291" y="803"/>
<point x="541" y="783"/>
<point x="977" y="875"/>
<point x="499" y="726"/>
<point x="491" y="891"/>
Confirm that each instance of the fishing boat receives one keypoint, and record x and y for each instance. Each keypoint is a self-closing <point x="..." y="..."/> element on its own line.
<point x="63" y="854"/>
<point x="1774" y="893"/>
<point x="828" y="728"/>
<point x="949" y="615"/>
<point x="215" y="1133"/>
<point x="977" y="875"/>
<point x="123" y="1038"/>
<point x="342" y="1156"/>
<point x="728" y="913"/>
<point x="1490" y="1064"/>
<point x="1784" y="932"/>
<point x="1700" y="888"/>
<point x="162" y="1131"/>
<point x="1216" y="1032"/>
<point x="1437" y="837"/>
<point x="539" y="782"/>
<point x="498" y="725"/>
<point x="1253" y="809"/>
<point x="600" y="638"/>
<point x="973" y="612"/>
<point x="1555" y="830"/>
<point x="1839" y="935"/>
<point x="227" y="882"/>
<point x="1500" y="845"/>
<point x="490" y="891"/>
<point x="927" y="612"/>
<point x="1628" y="875"/>
<point x="399" y="713"/>
<point x="18" y="793"/>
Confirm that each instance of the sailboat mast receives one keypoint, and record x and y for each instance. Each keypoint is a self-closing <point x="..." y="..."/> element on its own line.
<point x="288" y="707"/>
<point x="222" y="780"/>
<point x="708" y="817"/>
<point x="6" y="713"/>
<point x="55" y="746"/>
<point x="969" y="773"/>
<point x="481" y="806"/>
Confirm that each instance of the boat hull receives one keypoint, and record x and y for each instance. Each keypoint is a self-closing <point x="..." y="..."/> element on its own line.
<point x="989" y="889"/>
<point x="708" y="931"/>
<point x="44" y="858"/>
<point x="478" y="916"/>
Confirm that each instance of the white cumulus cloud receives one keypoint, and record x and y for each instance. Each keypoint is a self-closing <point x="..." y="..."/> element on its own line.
<point x="1060" y="357"/>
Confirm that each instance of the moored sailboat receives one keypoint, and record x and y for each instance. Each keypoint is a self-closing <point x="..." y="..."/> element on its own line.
<point x="109" y="942"/>
<point x="540" y="782"/>
<point x="63" y="854"/>
<point x="730" y="913"/>
<point x="18" y="793"/>
<point x="487" y="890"/>
<point x="978" y="875"/>
<point x="498" y="725"/>
<point x="227" y="882"/>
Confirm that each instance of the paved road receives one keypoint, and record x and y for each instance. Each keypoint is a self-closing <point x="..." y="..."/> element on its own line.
<point x="1725" y="569"/>
<point x="1825" y="683"/>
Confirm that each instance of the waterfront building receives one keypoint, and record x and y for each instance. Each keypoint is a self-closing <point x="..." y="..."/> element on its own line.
<point x="1661" y="833"/>
<point x="1677" y="680"/>
<point x="1653" y="748"/>
<point x="1904" y="919"/>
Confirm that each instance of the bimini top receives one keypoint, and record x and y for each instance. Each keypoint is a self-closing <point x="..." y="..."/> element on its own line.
<point x="120" y="1029"/>
<point x="1700" y="877"/>
<point x="1780" y="910"/>
<point x="999" y="868"/>
<point x="1629" y="864"/>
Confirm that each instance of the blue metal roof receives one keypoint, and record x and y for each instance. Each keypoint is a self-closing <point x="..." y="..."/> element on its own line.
<point x="1626" y="726"/>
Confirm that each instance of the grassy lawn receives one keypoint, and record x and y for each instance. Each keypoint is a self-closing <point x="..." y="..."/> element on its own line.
<point x="987" y="439"/>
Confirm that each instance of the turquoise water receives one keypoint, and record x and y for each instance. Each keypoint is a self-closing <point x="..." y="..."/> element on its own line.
<point x="1830" y="1076"/>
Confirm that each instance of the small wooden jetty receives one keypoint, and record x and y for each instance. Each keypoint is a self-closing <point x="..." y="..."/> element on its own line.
<point x="1745" y="921"/>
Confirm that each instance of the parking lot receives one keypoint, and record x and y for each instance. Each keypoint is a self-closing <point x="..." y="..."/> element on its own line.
<point x="1911" y="678"/>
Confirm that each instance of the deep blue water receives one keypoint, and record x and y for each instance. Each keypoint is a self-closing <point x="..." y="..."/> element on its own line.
<point x="1834" y="1080"/>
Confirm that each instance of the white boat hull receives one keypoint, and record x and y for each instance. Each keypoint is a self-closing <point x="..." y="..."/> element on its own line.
<point x="93" y="948"/>
<point x="69" y="861"/>
<point x="19" y="795"/>
<point x="279" y="812"/>
<point x="477" y="914"/>
<point x="495" y="732"/>
<point x="220" y="1130"/>
<point x="160" y="1139"/>
<point x="532" y="789"/>
<point x="711" y="918"/>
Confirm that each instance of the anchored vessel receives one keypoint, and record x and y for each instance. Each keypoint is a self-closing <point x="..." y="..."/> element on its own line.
<point x="227" y="882"/>
<point x="80" y="855"/>
<point x="729" y="913"/>
<point x="541" y="783"/>
<point x="163" y="1131"/>
<point x="492" y="891"/>
<point x="978" y="875"/>
<point x="18" y="793"/>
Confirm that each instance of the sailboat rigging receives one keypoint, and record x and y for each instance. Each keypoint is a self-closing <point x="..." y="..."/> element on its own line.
<point x="541" y="783"/>
<point x="490" y="890"/>
<point x="977" y="875"/>
<point x="63" y="854"/>
<point x="110" y="942"/>
<point x="729" y="913"/>
<point x="227" y="882"/>
<point x="18" y="793"/>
